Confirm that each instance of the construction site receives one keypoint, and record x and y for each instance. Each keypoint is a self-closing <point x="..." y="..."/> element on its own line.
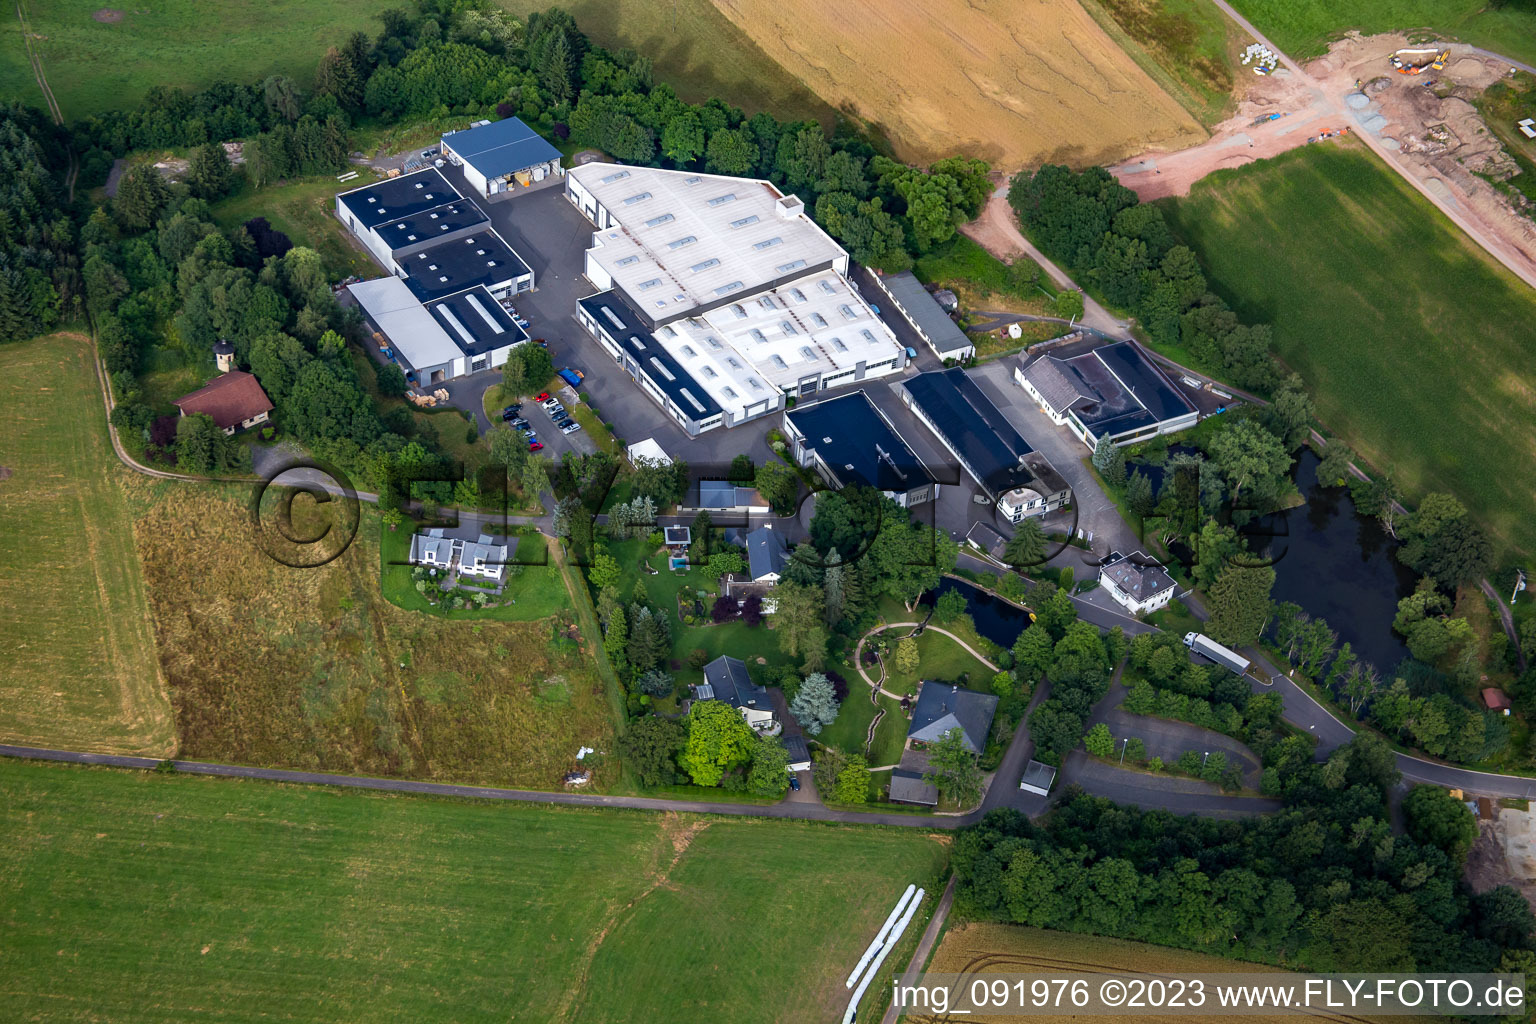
<point x="1415" y="101"/>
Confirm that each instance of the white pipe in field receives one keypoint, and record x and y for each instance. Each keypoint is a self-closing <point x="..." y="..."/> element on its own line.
<point x="874" y="947"/>
<point x="874" y="968"/>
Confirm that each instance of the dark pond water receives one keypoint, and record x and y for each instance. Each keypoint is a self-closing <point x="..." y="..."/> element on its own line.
<point x="995" y="619"/>
<point x="1335" y="563"/>
<point x="1340" y="566"/>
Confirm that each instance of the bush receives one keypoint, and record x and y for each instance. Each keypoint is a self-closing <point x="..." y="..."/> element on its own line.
<point x="698" y="658"/>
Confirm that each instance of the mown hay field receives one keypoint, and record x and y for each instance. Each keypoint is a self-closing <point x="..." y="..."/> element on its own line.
<point x="1414" y="342"/>
<point x="695" y="48"/>
<point x="1016" y="82"/>
<point x="1011" y="949"/>
<point x="77" y="655"/>
<point x="151" y="897"/>
<point x="314" y="669"/>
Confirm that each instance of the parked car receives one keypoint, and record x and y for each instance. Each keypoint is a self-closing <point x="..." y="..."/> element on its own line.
<point x="514" y="408"/>
<point x="794" y="783"/>
<point x="535" y="446"/>
<point x="543" y="397"/>
<point x="556" y="411"/>
<point x="572" y="377"/>
<point x="508" y="414"/>
<point x="519" y="422"/>
<point x="570" y="427"/>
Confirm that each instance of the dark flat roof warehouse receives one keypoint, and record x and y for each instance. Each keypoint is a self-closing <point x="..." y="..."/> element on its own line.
<point x="615" y="316"/>
<point x="481" y="258"/>
<point x="502" y="147"/>
<point x="973" y="427"/>
<point x="395" y="198"/>
<point x="424" y="225"/>
<point x="476" y="322"/>
<point x="851" y="437"/>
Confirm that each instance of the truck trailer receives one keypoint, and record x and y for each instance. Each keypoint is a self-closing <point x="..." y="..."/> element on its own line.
<point x="1223" y="656"/>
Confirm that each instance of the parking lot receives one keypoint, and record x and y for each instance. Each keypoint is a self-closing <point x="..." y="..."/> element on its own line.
<point x="552" y="238"/>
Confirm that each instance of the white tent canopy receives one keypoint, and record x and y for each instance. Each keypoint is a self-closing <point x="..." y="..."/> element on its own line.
<point x="649" y="449"/>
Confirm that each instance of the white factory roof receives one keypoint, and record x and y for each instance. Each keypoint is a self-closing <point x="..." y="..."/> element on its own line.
<point x="686" y="240"/>
<point x="412" y="330"/>
<point x="816" y="324"/>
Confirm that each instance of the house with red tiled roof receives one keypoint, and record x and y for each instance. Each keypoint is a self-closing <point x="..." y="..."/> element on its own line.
<point x="235" y="400"/>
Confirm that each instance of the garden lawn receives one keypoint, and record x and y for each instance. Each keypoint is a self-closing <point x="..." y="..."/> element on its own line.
<point x="532" y="580"/>
<point x="1415" y="344"/>
<point x="151" y="897"/>
<point x="77" y="658"/>
<point x="1303" y="28"/>
<point x="847" y="733"/>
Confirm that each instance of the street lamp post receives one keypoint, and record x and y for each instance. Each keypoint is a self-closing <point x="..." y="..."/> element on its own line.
<point x="1123" y="744"/>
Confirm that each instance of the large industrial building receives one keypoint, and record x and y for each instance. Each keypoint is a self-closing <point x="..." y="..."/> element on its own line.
<point x="440" y="312"/>
<point x="500" y="156"/>
<point x="719" y="295"/>
<point x="849" y="441"/>
<point x="1115" y="391"/>
<point x="1005" y="466"/>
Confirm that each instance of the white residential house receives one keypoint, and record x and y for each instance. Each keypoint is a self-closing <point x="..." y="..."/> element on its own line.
<point x="1136" y="582"/>
<point x="726" y="679"/>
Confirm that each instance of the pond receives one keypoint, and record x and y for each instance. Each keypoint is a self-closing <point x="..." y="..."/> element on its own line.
<point x="995" y="619"/>
<point x="1340" y="566"/>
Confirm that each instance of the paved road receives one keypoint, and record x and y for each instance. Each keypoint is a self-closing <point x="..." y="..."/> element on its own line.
<point x="925" y="945"/>
<point x="1161" y="792"/>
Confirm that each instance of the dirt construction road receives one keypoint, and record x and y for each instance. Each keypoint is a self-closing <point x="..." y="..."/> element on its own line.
<point x="1313" y="101"/>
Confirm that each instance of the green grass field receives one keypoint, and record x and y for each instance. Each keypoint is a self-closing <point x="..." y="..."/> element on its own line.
<point x="1415" y="344"/>
<point x="940" y="659"/>
<point x="149" y="897"/>
<point x="305" y="211"/>
<point x="1303" y="28"/>
<point x="78" y="653"/>
<point x="98" y="65"/>
<point x="313" y="668"/>
<point x="94" y="66"/>
<point x="697" y="49"/>
<point x="852" y="725"/>
<point x="1186" y="46"/>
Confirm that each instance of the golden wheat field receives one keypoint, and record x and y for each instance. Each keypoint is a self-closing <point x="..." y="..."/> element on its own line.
<point x="313" y="669"/>
<point x="1011" y="949"/>
<point x="1017" y="82"/>
<point x="78" y="655"/>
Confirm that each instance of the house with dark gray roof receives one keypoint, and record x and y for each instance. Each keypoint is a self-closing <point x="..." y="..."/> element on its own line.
<point x="799" y="753"/>
<point x="908" y="787"/>
<point x="766" y="554"/>
<point x="1114" y="391"/>
<point x="726" y="679"/>
<point x="1137" y="582"/>
<point x="942" y="707"/>
<point x="926" y="316"/>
